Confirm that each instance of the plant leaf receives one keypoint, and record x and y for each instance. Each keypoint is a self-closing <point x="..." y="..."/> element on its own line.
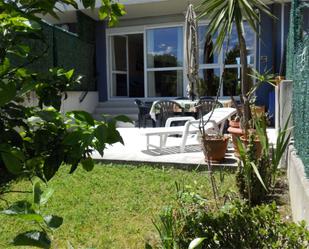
<point x="12" y="163"/>
<point x="87" y="164"/>
<point x="53" y="221"/>
<point x="46" y="195"/>
<point x="37" y="192"/>
<point x="32" y="238"/>
<point x="256" y="171"/>
<point x="196" y="242"/>
<point x="82" y="116"/>
<point x="123" y="118"/>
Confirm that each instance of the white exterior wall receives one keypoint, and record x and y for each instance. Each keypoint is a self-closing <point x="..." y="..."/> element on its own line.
<point x="89" y="103"/>
<point x="72" y="102"/>
<point x="298" y="186"/>
<point x="298" y="181"/>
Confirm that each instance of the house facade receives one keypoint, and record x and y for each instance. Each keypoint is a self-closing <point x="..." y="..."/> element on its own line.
<point x="143" y="56"/>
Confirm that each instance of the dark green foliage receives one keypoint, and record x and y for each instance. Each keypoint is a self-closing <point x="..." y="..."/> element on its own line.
<point x="30" y="212"/>
<point x="234" y="225"/>
<point x="36" y="139"/>
<point x="66" y="47"/>
<point x="256" y="175"/>
<point x="85" y="27"/>
<point x="58" y="48"/>
<point x="298" y="71"/>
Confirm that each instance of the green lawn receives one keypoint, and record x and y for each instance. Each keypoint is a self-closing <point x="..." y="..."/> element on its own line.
<point x="110" y="207"/>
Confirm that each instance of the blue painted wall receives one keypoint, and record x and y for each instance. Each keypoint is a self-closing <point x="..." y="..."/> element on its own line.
<point x="101" y="74"/>
<point x="265" y="61"/>
<point x="269" y="49"/>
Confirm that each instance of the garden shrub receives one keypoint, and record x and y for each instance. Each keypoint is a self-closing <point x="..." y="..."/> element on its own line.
<point x="234" y="225"/>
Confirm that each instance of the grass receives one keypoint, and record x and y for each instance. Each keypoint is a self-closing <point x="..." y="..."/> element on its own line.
<point x="111" y="207"/>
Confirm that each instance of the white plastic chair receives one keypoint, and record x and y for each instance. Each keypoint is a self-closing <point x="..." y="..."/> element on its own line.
<point x="215" y="124"/>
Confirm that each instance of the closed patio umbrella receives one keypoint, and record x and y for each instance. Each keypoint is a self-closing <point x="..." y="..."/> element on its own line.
<point x="191" y="52"/>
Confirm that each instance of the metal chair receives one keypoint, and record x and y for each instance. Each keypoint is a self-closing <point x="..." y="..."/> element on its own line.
<point x="207" y="98"/>
<point x="181" y="98"/>
<point x="143" y="114"/>
<point x="167" y="110"/>
<point x="215" y="125"/>
<point x="204" y="106"/>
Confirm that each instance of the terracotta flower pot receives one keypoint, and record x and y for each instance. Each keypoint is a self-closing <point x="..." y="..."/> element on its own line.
<point x="236" y="133"/>
<point x="235" y="124"/>
<point x="257" y="145"/>
<point x="214" y="147"/>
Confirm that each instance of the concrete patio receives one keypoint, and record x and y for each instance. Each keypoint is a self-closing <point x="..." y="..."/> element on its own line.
<point x="134" y="151"/>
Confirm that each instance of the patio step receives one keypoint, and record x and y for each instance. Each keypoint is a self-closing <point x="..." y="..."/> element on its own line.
<point x="114" y="108"/>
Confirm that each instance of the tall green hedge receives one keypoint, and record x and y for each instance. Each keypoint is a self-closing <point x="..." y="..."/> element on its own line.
<point x="67" y="50"/>
<point x="298" y="71"/>
<point x="72" y="52"/>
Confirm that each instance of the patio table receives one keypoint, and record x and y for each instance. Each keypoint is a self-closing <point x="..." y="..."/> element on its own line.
<point x="187" y="105"/>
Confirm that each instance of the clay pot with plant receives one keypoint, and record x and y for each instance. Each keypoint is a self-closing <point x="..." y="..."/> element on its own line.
<point x="214" y="147"/>
<point x="238" y="128"/>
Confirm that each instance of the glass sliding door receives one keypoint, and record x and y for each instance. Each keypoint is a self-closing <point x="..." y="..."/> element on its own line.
<point x="127" y="72"/>
<point x="164" y="60"/>
<point x="119" y="66"/>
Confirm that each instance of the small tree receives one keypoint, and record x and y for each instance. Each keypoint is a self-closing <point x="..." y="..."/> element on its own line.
<point x="36" y="140"/>
<point x="222" y="15"/>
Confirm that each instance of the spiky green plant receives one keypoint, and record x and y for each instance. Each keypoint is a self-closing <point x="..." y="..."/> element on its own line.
<point x="222" y="15"/>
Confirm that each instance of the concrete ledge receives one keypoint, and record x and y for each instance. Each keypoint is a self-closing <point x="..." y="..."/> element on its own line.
<point x="72" y="102"/>
<point x="298" y="186"/>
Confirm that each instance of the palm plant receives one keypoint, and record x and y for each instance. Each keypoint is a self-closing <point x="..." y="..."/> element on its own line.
<point x="222" y="15"/>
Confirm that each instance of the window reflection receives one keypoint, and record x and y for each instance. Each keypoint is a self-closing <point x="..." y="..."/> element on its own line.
<point x="231" y="79"/>
<point x="209" y="81"/>
<point x="165" y="83"/>
<point x="206" y="45"/>
<point x="232" y="48"/>
<point x="119" y="59"/>
<point x="164" y="47"/>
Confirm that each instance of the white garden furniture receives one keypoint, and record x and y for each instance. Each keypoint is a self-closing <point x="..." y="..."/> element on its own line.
<point x="214" y="125"/>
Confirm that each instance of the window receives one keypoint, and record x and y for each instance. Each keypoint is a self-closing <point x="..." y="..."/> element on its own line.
<point x="149" y="62"/>
<point x="211" y="63"/>
<point x="164" y="62"/>
<point x="127" y="70"/>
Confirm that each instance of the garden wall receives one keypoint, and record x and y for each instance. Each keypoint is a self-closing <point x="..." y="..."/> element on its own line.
<point x="298" y="71"/>
<point x="63" y="49"/>
<point x="297" y="178"/>
<point x="89" y="103"/>
<point x="298" y="186"/>
<point x="76" y="100"/>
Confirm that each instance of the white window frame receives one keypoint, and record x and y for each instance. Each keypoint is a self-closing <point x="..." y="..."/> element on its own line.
<point x="162" y="69"/>
<point x="115" y="72"/>
<point x="142" y="29"/>
<point x="220" y="65"/>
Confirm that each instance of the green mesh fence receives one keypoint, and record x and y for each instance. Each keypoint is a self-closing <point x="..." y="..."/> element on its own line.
<point x="66" y="50"/>
<point x="298" y="71"/>
<point x="72" y="52"/>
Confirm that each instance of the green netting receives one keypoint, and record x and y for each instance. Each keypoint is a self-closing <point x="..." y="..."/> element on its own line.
<point x="298" y="71"/>
<point x="72" y="52"/>
<point x="85" y="27"/>
<point x="64" y="49"/>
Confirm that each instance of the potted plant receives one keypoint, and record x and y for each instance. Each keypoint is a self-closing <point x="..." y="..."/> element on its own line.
<point x="214" y="146"/>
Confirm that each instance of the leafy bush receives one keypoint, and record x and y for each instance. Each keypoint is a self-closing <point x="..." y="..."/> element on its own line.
<point x="234" y="225"/>
<point x="257" y="174"/>
<point x="36" y="140"/>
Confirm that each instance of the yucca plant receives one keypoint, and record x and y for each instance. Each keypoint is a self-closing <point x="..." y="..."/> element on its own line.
<point x="222" y="14"/>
